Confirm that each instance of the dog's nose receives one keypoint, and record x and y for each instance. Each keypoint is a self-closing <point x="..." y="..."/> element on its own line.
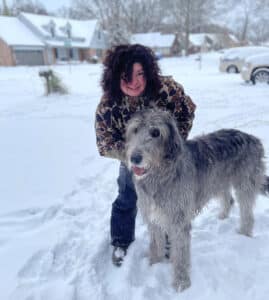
<point x="136" y="158"/>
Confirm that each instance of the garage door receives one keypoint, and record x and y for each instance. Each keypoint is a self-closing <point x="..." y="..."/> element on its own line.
<point x="29" y="58"/>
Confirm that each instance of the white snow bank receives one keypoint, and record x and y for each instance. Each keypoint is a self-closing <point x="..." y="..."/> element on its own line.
<point x="56" y="194"/>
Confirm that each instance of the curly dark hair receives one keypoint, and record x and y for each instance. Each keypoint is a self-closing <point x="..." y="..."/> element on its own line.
<point x="119" y="60"/>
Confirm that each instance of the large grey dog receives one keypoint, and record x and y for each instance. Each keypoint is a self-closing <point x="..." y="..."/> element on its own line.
<point x="174" y="179"/>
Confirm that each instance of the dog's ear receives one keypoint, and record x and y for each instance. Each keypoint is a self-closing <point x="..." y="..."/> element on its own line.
<point x="173" y="143"/>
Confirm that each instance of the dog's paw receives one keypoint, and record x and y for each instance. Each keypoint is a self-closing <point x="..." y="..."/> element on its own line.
<point x="222" y="216"/>
<point x="244" y="232"/>
<point x="155" y="259"/>
<point x="181" y="285"/>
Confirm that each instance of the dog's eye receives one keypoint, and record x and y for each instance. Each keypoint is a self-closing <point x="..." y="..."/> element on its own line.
<point x="135" y="130"/>
<point x="154" y="132"/>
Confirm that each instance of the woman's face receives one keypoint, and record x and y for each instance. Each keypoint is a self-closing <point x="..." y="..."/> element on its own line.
<point x="137" y="84"/>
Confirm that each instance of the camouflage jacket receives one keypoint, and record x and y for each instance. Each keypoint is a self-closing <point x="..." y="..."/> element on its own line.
<point x="111" y="118"/>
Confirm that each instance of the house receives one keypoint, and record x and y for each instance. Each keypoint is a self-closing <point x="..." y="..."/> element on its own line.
<point x="66" y="39"/>
<point x="225" y="40"/>
<point x="163" y="44"/>
<point x="211" y="41"/>
<point x="173" y="44"/>
<point x="18" y="45"/>
<point x="31" y="39"/>
<point x="200" y="42"/>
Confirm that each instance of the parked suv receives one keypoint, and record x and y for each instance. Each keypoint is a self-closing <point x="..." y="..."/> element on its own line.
<point x="256" y="68"/>
<point x="232" y="60"/>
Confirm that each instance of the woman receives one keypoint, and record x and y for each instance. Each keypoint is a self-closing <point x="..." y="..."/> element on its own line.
<point x="131" y="81"/>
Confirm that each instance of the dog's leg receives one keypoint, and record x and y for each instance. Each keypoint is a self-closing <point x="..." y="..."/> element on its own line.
<point x="246" y="201"/>
<point x="157" y="244"/>
<point x="167" y="246"/>
<point x="226" y="202"/>
<point x="180" y="256"/>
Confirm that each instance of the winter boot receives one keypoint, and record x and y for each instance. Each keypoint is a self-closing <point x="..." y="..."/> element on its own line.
<point x="118" y="255"/>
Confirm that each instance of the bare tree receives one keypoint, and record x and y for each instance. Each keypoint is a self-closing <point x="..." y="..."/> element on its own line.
<point x="82" y="9"/>
<point x="110" y="13"/>
<point x="116" y="25"/>
<point x="29" y="6"/>
<point x="189" y="16"/>
<point x="245" y="18"/>
<point x="248" y="16"/>
<point x="4" y="10"/>
<point x="144" y="15"/>
<point x="135" y="15"/>
<point x="249" y="8"/>
<point x="259" y="33"/>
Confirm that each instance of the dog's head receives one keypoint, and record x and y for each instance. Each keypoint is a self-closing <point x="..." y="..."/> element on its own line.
<point x="152" y="141"/>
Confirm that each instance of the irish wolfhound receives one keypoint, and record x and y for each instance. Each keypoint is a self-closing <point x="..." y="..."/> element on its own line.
<point x="174" y="179"/>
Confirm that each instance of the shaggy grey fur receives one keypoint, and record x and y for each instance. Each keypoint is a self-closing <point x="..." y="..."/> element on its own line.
<point x="174" y="179"/>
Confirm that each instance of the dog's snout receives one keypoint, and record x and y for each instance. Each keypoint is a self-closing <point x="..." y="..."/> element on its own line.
<point x="136" y="158"/>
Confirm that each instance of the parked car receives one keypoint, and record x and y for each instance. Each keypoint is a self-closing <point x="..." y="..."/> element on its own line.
<point x="232" y="60"/>
<point x="256" y="69"/>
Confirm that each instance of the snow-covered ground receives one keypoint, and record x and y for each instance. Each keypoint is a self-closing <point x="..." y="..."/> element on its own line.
<point x="56" y="194"/>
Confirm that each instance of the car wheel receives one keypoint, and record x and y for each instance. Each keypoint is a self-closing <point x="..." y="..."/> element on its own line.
<point x="232" y="69"/>
<point x="261" y="77"/>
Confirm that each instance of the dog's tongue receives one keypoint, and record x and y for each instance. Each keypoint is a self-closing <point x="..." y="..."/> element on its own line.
<point x="138" y="171"/>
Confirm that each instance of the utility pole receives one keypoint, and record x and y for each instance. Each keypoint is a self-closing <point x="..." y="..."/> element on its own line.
<point x="187" y="26"/>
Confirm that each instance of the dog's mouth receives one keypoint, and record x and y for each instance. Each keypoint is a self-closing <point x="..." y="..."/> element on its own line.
<point x="139" y="171"/>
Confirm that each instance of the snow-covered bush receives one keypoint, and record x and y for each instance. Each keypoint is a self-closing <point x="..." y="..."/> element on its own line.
<point x="53" y="83"/>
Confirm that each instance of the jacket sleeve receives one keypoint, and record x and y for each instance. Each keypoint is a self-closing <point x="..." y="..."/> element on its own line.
<point x="109" y="139"/>
<point x="182" y="108"/>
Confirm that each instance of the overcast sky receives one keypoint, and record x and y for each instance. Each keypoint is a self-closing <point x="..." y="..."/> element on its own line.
<point x="50" y="5"/>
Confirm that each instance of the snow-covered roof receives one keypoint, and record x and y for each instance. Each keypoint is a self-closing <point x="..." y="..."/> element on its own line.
<point x="197" y="39"/>
<point x="153" y="39"/>
<point x="233" y="37"/>
<point x="15" y="33"/>
<point x="81" y="31"/>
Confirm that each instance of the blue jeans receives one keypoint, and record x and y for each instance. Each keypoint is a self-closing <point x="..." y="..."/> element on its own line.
<point x="122" y="226"/>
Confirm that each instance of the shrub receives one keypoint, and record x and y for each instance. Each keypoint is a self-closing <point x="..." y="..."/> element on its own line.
<point x="53" y="83"/>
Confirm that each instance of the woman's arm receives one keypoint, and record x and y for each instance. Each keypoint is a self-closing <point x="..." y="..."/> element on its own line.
<point x="181" y="106"/>
<point x="109" y="139"/>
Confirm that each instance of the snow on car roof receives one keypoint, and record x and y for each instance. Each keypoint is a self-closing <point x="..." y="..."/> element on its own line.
<point x="243" y="52"/>
<point x="259" y="59"/>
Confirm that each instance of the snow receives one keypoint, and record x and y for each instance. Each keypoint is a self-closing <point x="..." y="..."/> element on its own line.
<point x="198" y="39"/>
<point x="82" y="31"/>
<point x="153" y="39"/>
<point x="56" y="194"/>
<point x="259" y="59"/>
<point x="244" y="52"/>
<point x="15" y="33"/>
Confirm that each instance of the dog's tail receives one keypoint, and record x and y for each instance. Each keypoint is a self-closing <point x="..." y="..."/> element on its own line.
<point x="265" y="187"/>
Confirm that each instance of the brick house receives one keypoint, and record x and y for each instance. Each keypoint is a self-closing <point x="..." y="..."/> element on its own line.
<point x="67" y="39"/>
<point x="33" y="39"/>
<point x="18" y="45"/>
